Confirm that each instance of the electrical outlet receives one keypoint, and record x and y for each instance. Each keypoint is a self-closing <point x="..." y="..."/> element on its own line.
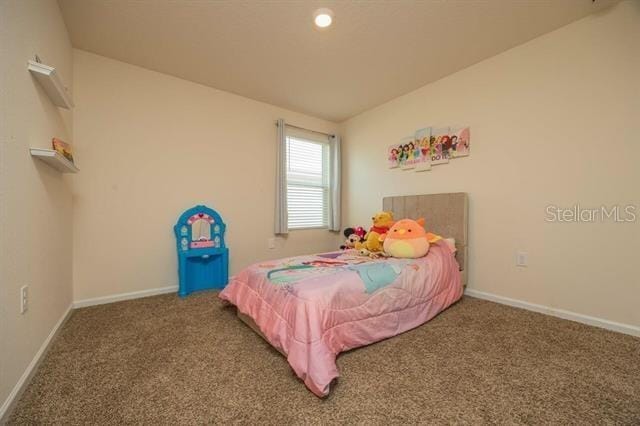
<point x="271" y="243"/>
<point x="522" y="258"/>
<point x="24" y="299"/>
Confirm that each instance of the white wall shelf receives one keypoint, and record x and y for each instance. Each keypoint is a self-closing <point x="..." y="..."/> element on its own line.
<point x="54" y="159"/>
<point x="52" y="84"/>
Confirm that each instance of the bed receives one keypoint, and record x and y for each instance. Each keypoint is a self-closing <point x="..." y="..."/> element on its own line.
<point x="313" y="307"/>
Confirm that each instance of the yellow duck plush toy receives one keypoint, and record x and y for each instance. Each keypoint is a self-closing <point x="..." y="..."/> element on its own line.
<point x="408" y="239"/>
<point x="373" y="240"/>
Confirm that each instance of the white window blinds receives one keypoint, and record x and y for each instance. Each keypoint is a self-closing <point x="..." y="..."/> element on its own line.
<point x="307" y="182"/>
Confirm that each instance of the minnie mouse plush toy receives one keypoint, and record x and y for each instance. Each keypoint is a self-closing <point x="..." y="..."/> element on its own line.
<point x="353" y="236"/>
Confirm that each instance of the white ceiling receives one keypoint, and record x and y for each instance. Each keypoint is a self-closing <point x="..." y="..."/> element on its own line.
<point x="271" y="51"/>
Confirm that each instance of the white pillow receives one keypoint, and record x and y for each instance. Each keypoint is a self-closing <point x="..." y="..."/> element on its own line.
<point x="452" y="243"/>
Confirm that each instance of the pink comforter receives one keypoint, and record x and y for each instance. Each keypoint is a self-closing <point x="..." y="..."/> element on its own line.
<point x="314" y="307"/>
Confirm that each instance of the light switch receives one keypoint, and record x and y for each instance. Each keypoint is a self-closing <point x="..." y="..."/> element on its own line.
<point x="522" y="258"/>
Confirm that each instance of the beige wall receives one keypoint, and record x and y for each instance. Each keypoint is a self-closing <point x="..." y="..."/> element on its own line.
<point x="150" y="146"/>
<point x="35" y="200"/>
<point x="554" y="121"/>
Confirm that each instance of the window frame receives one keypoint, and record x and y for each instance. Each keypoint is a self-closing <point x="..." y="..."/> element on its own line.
<point x="316" y="138"/>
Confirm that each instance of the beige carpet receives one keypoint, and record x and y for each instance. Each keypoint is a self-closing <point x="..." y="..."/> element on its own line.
<point x="162" y="360"/>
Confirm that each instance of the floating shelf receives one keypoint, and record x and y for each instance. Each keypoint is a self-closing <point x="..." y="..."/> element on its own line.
<point x="52" y="84"/>
<point x="54" y="159"/>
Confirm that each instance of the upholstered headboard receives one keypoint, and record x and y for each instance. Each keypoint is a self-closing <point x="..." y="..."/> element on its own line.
<point x="445" y="215"/>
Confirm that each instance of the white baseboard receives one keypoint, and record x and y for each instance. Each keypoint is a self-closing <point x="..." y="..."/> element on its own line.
<point x="560" y="313"/>
<point x="124" y="296"/>
<point x="17" y="390"/>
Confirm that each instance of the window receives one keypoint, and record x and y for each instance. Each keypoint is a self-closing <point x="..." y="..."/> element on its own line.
<point x="307" y="181"/>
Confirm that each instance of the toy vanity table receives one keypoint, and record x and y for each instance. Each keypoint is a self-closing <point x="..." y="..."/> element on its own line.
<point x="203" y="257"/>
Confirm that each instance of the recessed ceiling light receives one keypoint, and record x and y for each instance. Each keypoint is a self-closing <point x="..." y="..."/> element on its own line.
<point x="323" y="17"/>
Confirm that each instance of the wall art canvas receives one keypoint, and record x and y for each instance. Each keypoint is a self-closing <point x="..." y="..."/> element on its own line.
<point x="393" y="156"/>
<point x="460" y="142"/>
<point x="407" y="154"/>
<point x="423" y="149"/>
<point x="429" y="146"/>
<point x="440" y="143"/>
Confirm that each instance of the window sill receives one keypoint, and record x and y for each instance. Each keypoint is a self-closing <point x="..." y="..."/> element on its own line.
<point x="326" y="228"/>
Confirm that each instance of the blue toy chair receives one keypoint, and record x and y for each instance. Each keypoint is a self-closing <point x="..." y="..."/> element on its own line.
<point x="203" y="257"/>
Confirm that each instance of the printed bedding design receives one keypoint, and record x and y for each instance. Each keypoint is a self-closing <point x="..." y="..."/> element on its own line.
<point x="314" y="307"/>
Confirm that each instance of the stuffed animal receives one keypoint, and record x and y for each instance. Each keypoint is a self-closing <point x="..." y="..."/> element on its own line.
<point x="373" y="254"/>
<point x="353" y="236"/>
<point x="373" y="240"/>
<point x="408" y="239"/>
